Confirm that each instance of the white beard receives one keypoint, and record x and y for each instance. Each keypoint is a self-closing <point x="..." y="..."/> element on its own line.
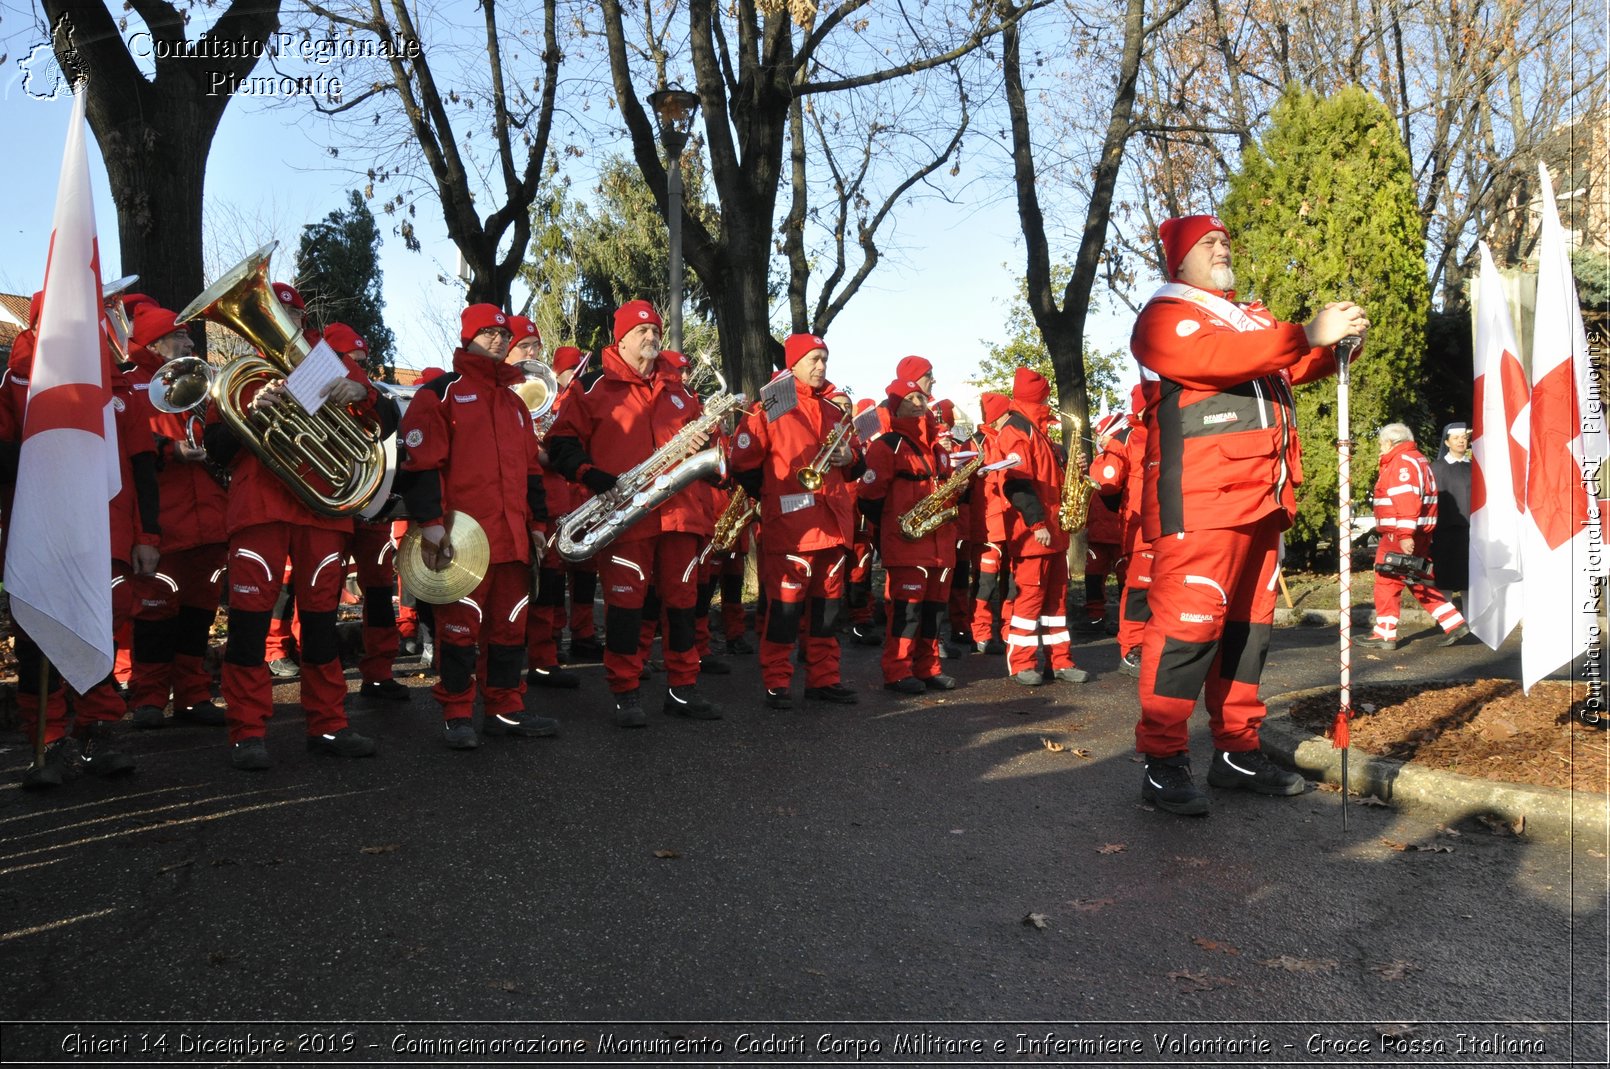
<point x="1223" y="278"/>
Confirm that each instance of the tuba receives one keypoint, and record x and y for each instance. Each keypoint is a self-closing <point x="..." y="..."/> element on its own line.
<point x="331" y="459"/>
<point x="601" y="519"/>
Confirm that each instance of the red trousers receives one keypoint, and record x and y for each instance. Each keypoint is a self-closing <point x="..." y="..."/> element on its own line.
<point x="667" y="564"/>
<point x="375" y="555"/>
<point x="1101" y="560"/>
<point x="1212" y="604"/>
<point x="802" y="596"/>
<point x="993" y="597"/>
<point x="257" y="557"/>
<point x="493" y="614"/>
<point x="1039" y="614"/>
<point x="174" y="610"/>
<point x="1389" y="594"/>
<point x="102" y="703"/>
<point x="859" y="582"/>
<point x="911" y="636"/>
<point x="1134" y="608"/>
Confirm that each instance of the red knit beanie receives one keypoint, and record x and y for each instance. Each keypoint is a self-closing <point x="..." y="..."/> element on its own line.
<point x="994" y="406"/>
<point x="523" y="328"/>
<point x="913" y="368"/>
<point x="1180" y="235"/>
<point x="946" y="411"/>
<point x="426" y="374"/>
<point x="479" y="317"/>
<point x="632" y="314"/>
<point x="799" y="346"/>
<point x="150" y="322"/>
<point x="288" y="296"/>
<point x="1030" y="387"/>
<point x="566" y="358"/>
<point x="343" y="339"/>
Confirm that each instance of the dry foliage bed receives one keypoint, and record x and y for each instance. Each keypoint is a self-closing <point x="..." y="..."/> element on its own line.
<point x="1484" y="728"/>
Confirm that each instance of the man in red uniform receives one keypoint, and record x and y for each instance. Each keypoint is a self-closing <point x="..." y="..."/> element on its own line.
<point x="284" y="629"/>
<point x="992" y="597"/>
<point x="1406" y="517"/>
<point x="268" y="527"/>
<point x="174" y="608"/>
<point x="1119" y="471"/>
<point x="545" y="619"/>
<point x="469" y="438"/>
<point x="625" y="409"/>
<point x="1103" y="536"/>
<point x="1221" y="471"/>
<point x="806" y="531"/>
<point x="1035" y="542"/>
<point x="903" y="467"/>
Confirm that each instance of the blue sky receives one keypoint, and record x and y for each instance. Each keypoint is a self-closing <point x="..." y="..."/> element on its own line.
<point x="950" y="289"/>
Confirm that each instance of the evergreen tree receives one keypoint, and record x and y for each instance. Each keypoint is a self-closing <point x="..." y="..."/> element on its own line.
<point x="1324" y="209"/>
<point x="338" y="274"/>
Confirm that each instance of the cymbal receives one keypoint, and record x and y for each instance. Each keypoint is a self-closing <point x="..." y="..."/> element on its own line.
<point x="471" y="556"/>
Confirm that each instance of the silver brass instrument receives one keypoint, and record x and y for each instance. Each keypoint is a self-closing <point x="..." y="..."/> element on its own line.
<point x="183" y="387"/>
<point x="539" y="390"/>
<point x="647" y="485"/>
<point x="812" y="475"/>
<point x="332" y="460"/>
<point x="117" y="319"/>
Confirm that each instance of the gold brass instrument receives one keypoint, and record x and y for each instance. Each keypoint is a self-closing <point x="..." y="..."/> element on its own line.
<point x="472" y="554"/>
<point x="1074" y="511"/>
<point x="731" y="523"/>
<point x="604" y="517"/>
<point x="330" y="459"/>
<point x="936" y="510"/>
<point x="813" y="474"/>
<point x="540" y="388"/>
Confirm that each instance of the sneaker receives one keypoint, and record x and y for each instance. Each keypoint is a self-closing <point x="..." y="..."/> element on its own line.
<point x="1071" y="675"/>
<point x="1129" y="663"/>
<point x="687" y="702"/>
<point x="1458" y="636"/>
<point x="947" y="652"/>
<point x="586" y="649"/>
<point x="629" y="711"/>
<point x="739" y="644"/>
<point x="427" y="654"/>
<point x="908" y="685"/>
<point x="459" y="734"/>
<point x="206" y="713"/>
<point x="940" y="682"/>
<point x="1375" y="642"/>
<point x="837" y="693"/>
<point x="553" y="677"/>
<point x="98" y="757"/>
<point x="1251" y="770"/>
<point x="522" y="724"/>
<point x="993" y="646"/>
<point x="60" y="764"/>
<point x="715" y="666"/>
<point x="343" y="743"/>
<point x="866" y="635"/>
<point x="780" y="698"/>
<point x="284" y="668"/>
<point x="389" y="689"/>
<point x="250" y="755"/>
<point x="409" y="647"/>
<point x="1029" y="677"/>
<point x="1167" y="784"/>
<point x="149" y="718"/>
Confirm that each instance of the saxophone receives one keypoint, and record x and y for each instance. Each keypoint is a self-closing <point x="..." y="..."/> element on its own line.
<point x="730" y="524"/>
<point x="647" y="485"/>
<point x="935" y="510"/>
<point x="1077" y="485"/>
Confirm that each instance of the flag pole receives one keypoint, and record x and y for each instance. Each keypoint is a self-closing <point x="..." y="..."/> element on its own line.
<point x="1344" y="464"/>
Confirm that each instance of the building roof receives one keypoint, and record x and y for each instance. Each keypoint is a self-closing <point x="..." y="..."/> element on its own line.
<point x="14" y="309"/>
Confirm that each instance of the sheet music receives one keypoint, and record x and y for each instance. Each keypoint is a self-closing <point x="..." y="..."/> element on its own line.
<point x="317" y="370"/>
<point x="778" y="396"/>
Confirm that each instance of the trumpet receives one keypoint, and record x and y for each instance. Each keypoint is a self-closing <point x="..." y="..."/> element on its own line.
<point x="814" y="474"/>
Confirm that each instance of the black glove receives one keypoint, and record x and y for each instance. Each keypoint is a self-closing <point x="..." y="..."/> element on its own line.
<point x="597" y="480"/>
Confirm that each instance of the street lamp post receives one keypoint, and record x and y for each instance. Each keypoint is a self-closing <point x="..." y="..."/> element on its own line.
<point x="675" y="108"/>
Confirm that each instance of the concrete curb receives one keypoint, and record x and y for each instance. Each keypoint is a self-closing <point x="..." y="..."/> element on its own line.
<point x="1362" y="622"/>
<point x="1549" y="812"/>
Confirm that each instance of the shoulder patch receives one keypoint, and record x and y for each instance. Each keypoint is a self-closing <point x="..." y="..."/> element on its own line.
<point x="1403" y="476"/>
<point x="416" y="437"/>
<point x="744" y="441"/>
<point x="1186" y="327"/>
<point x="870" y="476"/>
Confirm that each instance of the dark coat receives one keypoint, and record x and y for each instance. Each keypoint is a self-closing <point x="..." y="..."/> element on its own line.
<point x="1450" y="542"/>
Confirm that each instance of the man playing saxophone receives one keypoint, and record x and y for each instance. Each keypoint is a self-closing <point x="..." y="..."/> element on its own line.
<point x="622" y="411"/>
<point x="800" y="463"/>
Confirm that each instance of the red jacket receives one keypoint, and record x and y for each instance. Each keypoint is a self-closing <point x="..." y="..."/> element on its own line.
<point x="904" y="466"/>
<point x="474" y="433"/>
<point x="1120" y="469"/>
<point x="616" y="420"/>
<point x="1032" y="488"/>
<point x="193" y="502"/>
<point x="1405" y="500"/>
<point x="1225" y="452"/>
<point x="767" y="458"/>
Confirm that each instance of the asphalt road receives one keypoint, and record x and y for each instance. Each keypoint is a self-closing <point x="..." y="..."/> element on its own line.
<point x="824" y="885"/>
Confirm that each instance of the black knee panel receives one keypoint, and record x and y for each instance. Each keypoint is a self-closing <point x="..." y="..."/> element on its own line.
<point x="782" y="621"/>
<point x="681" y="629"/>
<point x="378" y="611"/>
<point x="857" y="595"/>
<point x="319" y="644"/>
<point x="153" y="641"/>
<point x="1095" y="588"/>
<point x="905" y="619"/>
<point x="583" y="587"/>
<point x="248" y="637"/>
<point x="458" y="667"/>
<point x="1245" y="646"/>
<point x="192" y="629"/>
<point x="928" y="618"/>
<point x="1183" y="668"/>
<point x="1137" y="606"/>
<point x="825" y="617"/>
<point x="504" y="665"/>
<point x="621" y="627"/>
<point x="550" y="588"/>
<point x="701" y="600"/>
<point x="989" y="586"/>
<point x="732" y="589"/>
<point x="652" y="605"/>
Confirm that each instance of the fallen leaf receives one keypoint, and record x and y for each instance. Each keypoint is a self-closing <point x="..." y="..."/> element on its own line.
<point x="1394" y="970"/>
<point x="501" y="985"/>
<point x="1422" y="847"/>
<point x="1090" y="905"/>
<point x="1501" y="827"/>
<point x="1595" y="853"/>
<point x="1291" y="964"/>
<point x="1036" y="920"/>
<point x="666" y="854"/>
<point x="176" y="865"/>
<point x="1081" y="753"/>
<point x="1192" y="982"/>
<point x="1052" y="745"/>
<point x="218" y="957"/>
<point x="816" y="972"/>
<point x="1112" y="848"/>
<point x="1211" y="944"/>
<point x="1369" y="799"/>
<point x="384" y="848"/>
